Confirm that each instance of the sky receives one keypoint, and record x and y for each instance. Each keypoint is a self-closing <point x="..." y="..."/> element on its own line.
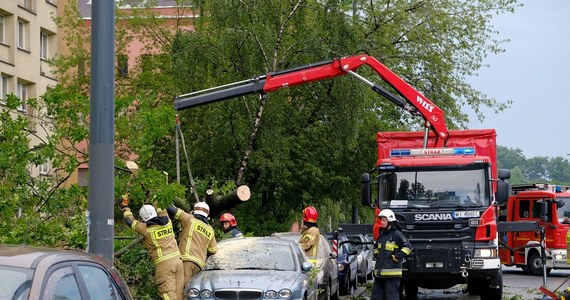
<point x="534" y="73"/>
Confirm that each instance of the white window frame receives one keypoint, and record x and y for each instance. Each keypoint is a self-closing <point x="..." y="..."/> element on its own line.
<point x="2" y="28"/>
<point x="44" y="45"/>
<point x="44" y="168"/>
<point x="23" y="96"/>
<point x="3" y="88"/>
<point x="28" y="4"/>
<point x="21" y="34"/>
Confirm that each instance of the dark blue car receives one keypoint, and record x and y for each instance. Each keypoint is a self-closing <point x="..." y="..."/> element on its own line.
<point x="347" y="263"/>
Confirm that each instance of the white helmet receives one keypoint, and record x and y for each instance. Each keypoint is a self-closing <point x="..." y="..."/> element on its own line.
<point x="147" y="212"/>
<point x="388" y="214"/>
<point x="202" y="208"/>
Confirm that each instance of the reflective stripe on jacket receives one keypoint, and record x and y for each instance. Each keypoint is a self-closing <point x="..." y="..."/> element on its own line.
<point x="197" y="239"/>
<point x="159" y="240"/>
<point x="390" y="242"/>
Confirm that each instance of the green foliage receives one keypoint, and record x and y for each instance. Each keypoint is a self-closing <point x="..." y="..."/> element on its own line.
<point x="539" y="169"/>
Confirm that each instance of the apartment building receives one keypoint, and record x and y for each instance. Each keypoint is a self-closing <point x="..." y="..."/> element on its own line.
<point x="28" y="38"/>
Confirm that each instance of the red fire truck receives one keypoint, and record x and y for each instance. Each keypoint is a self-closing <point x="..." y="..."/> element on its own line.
<point x="429" y="181"/>
<point x="445" y="201"/>
<point x="522" y="249"/>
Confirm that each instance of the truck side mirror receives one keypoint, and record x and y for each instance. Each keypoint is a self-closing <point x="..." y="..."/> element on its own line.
<point x="365" y="193"/>
<point x="502" y="191"/>
<point x="504" y="174"/>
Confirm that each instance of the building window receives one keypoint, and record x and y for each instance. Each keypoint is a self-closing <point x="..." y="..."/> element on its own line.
<point x="22" y="34"/>
<point x="2" y="30"/>
<point x="3" y="89"/>
<point x="28" y="4"/>
<point x="23" y="95"/>
<point x="44" y="168"/>
<point x="44" y="45"/>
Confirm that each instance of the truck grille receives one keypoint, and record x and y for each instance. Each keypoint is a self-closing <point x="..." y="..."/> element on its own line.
<point x="439" y="231"/>
<point x="238" y="294"/>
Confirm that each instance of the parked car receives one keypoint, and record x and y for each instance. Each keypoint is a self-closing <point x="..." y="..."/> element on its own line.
<point x="347" y="262"/>
<point x="255" y="268"/>
<point x="45" y="273"/>
<point x="365" y="256"/>
<point x="327" y="278"/>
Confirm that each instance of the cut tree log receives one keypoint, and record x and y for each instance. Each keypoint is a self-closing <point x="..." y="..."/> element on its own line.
<point x="219" y="204"/>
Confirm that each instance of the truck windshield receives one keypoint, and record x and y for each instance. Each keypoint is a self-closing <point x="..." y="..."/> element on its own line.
<point x="563" y="211"/>
<point x="433" y="189"/>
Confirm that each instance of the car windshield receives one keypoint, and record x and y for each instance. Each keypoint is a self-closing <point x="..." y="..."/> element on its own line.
<point x="249" y="254"/>
<point x="15" y="283"/>
<point x="434" y="189"/>
<point x="356" y="242"/>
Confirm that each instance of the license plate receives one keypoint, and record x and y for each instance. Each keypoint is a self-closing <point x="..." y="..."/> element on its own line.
<point x="466" y="214"/>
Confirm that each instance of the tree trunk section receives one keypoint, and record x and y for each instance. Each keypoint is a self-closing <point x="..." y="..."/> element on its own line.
<point x="219" y="204"/>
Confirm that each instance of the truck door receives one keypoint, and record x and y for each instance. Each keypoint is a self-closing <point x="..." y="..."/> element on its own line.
<point x="523" y="213"/>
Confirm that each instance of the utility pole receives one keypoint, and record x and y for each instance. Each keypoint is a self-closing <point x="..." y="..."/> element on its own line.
<point x="100" y="218"/>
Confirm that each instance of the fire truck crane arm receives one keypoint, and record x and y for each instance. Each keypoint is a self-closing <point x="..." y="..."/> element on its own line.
<point x="409" y="98"/>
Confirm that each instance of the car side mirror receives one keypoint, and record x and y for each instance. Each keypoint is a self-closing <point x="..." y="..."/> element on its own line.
<point x="333" y="255"/>
<point x="353" y="252"/>
<point x="307" y="266"/>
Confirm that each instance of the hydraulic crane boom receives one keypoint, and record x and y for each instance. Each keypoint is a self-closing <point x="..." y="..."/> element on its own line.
<point x="413" y="101"/>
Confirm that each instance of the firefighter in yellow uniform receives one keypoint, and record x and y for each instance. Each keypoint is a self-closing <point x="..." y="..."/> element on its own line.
<point x="161" y="245"/>
<point x="310" y="233"/>
<point x="197" y="239"/>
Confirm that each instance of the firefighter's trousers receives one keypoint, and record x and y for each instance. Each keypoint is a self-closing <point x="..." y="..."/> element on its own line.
<point x="386" y="289"/>
<point x="169" y="279"/>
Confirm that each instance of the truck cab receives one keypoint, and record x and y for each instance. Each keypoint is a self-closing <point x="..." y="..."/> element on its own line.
<point x="522" y="248"/>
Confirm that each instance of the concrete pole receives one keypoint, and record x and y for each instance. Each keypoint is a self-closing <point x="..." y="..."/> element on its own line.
<point x="100" y="218"/>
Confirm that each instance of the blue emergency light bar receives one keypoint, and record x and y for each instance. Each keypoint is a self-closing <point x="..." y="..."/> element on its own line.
<point x="433" y="151"/>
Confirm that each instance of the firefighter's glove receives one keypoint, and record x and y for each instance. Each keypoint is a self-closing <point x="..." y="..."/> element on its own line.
<point x="124" y="201"/>
<point x="394" y="258"/>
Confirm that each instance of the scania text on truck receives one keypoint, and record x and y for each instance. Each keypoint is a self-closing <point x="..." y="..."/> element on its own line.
<point x="522" y="249"/>
<point x="461" y="238"/>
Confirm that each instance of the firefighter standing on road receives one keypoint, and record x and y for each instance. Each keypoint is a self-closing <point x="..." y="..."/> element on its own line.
<point x="197" y="239"/>
<point x="161" y="244"/>
<point x="310" y="233"/>
<point x="389" y="250"/>
<point x="229" y="223"/>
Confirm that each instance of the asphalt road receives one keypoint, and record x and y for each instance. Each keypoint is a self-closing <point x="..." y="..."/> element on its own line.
<point x="516" y="285"/>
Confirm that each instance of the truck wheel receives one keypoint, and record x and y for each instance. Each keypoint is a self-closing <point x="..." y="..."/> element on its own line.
<point x="474" y="285"/>
<point x="492" y="293"/>
<point x="534" y="264"/>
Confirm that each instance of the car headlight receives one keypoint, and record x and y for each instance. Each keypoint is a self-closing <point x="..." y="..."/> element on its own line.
<point x="206" y="293"/>
<point x="285" y="293"/>
<point x="340" y="267"/>
<point x="193" y="293"/>
<point x="485" y="253"/>
<point x="559" y="256"/>
<point x="271" y="294"/>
